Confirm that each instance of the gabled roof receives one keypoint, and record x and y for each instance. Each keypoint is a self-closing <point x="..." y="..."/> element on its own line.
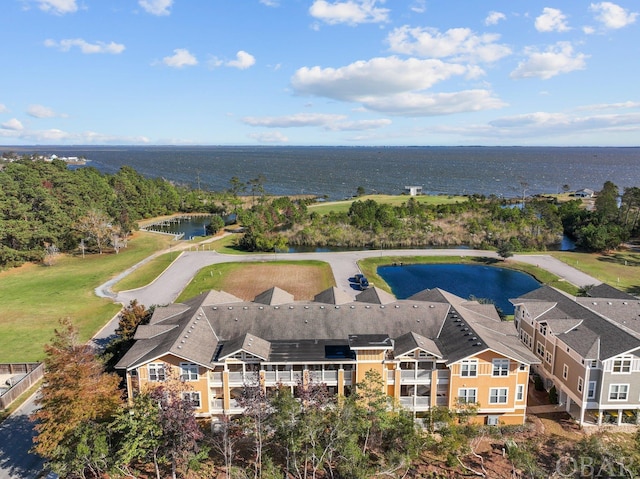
<point x="375" y="295"/>
<point x="165" y="312"/>
<point x="596" y="334"/>
<point x="248" y="343"/>
<point x="202" y="331"/>
<point x="333" y="295"/>
<point x="411" y="341"/>
<point x="274" y="296"/>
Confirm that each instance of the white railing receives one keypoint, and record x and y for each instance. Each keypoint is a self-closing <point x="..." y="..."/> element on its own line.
<point x="217" y="404"/>
<point x="215" y="377"/>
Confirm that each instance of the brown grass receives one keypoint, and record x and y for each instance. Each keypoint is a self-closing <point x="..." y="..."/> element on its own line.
<point x="303" y="282"/>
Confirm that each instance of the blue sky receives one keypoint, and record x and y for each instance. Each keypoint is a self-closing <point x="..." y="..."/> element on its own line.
<point x="320" y="72"/>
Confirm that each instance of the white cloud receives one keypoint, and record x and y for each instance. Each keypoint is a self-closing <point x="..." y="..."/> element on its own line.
<point x="84" y="46"/>
<point x="375" y="77"/>
<point x="417" y="104"/>
<point x="156" y="7"/>
<point x="181" y="58"/>
<point x="40" y="111"/>
<point x="3" y="108"/>
<point x="494" y="17"/>
<point x="269" y="137"/>
<point x="544" y="123"/>
<point x="351" y="12"/>
<point x="588" y="30"/>
<point x="243" y="61"/>
<point x="458" y="43"/>
<point x="57" y="136"/>
<point x="611" y="106"/>
<point x="59" y="7"/>
<point x="13" y="124"/>
<point x="611" y="15"/>
<point x="359" y="125"/>
<point x="297" y="120"/>
<point x="551" y="20"/>
<point x="557" y="59"/>
<point x="419" y="6"/>
<point x="270" y="3"/>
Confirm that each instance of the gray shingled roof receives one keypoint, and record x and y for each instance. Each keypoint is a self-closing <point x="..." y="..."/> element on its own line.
<point x="333" y="295"/>
<point x="603" y="290"/>
<point x="375" y="295"/>
<point x="411" y="341"/>
<point x="315" y="330"/>
<point x="249" y="343"/>
<point x="596" y="334"/>
<point x="273" y="296"/>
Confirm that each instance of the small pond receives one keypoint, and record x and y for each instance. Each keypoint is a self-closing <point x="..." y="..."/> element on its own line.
<point x="464" y="280"/>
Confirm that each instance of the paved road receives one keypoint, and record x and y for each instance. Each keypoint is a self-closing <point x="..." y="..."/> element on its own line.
<point x="16" y="438"/>
<point x="168" y="286"/>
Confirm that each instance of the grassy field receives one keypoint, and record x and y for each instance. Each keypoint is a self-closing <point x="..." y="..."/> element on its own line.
<point x="303" y="279"/>
<point x="620" y="269"/>
<point x="343" y="206"/>
<point x="369" y="267"/>
<point x="35" y="297"/>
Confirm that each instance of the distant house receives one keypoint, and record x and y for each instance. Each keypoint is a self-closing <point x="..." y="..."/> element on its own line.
<point x="413" y="190"/>
<point x="584" y="193"/>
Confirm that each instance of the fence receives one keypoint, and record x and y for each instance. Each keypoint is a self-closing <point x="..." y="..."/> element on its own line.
<point x="33" y="371"/>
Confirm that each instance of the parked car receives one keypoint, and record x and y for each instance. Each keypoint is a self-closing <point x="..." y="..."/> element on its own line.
<point x="364" y="283"/>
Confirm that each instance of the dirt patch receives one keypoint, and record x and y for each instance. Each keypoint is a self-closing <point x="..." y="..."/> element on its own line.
<point x="304" y="282"/>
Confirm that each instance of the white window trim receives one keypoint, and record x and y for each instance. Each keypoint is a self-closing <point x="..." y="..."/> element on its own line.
<point x="565" y="371"/>
<point x="622" y="360"/>
<point x="156" y="367"/>
<point x="626" y="392"/>
<point x="469" y="363"/>
<point x="499" y="396"/>
<point x="580" y="384"/>
<point x="464" y="398"/>
<point x="189" y="372"/>
<point x="498" y="366"/>
<point x="189" y="396"/>
<point x="520" y="392"/>
<point x="591" y="392"/>
<point x="540" y="349"/>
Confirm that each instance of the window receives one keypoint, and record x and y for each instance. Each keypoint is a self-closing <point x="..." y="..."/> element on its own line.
<point x="523" y="367"/>
<point x="591" y="390"/>
<point x="469" y="368"/>
<point x="594" y="363"/>
<point x="618" y="392"/>
<point x="500" y="367"/>
<point x="540" y="349"/>
<point x="193" y="397"/>
<point x="188" y="372"/>
<point x="520" y="392"/>
<point x="156" y="372"/>
<point x="622" y="365"/>
<point x="580" y="384"/>
<point x="525" y="338"/>
<point x="467" y="395"/>
<point x="548" y="357"/>
<point x="498" y="395"/>
<point x="543" y="329"/>
<point x="565" y="371"/>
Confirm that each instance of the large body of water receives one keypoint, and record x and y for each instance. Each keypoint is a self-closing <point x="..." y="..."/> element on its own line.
<point x="464" y="280"/>
<point x="336" y="172"/>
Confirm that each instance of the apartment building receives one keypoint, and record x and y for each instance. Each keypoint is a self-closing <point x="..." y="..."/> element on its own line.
<point x="432" y="349"/>
<point x="588" y="348"/>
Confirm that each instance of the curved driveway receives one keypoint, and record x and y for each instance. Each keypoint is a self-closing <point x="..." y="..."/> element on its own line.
<point x="167" y="287"/>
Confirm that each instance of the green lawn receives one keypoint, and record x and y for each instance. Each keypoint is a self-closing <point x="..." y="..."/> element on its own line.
<point x="620" y="269"/>
<point x="395" y="200"/>
<point x="35" y="297"/>
<point x="369" y="267"/>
